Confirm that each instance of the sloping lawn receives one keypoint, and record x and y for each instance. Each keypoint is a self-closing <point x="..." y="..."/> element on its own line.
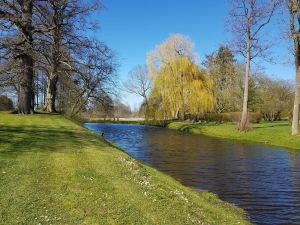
<point x="273" y="133"/>
<point x="53" y="171"/>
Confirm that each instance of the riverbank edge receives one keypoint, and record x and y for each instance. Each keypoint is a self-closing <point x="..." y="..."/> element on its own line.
<point x="231" y="134"/>
<point x="138" y="122"/>
<point x="196" y="128"/>
<point x="236" y="212"/>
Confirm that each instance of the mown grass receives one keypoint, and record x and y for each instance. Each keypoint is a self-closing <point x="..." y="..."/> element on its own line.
<point x="53" y="171"/>
<point x="272" y="133"/>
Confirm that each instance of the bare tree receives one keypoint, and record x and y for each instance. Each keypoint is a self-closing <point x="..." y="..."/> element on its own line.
<point x="65" y="22"/>
<point x="41" y="36"/>
<point x="139" y="83"/>
<point x="246" y="20"/>
<point x="93" y="76"/>
<point x="16" y="19"/>
<point x="293" y="7"/>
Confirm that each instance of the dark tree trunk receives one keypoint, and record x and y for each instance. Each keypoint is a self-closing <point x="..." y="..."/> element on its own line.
<point x="26" y="93"/>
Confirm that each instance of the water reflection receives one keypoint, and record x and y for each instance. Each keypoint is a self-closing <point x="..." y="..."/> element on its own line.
<point x="263" y="180"/>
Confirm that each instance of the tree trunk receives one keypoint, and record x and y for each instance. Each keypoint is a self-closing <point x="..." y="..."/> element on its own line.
<point x="26" y="93"/>
<point x="51" y="94"/>
<point x="295" y="33"/>
<point x="37" y="91"/>
<point x="53" y="78"/>
<point x="177" y="114"/>
<point x="244" y="118"/>
<point x="147" y="107"/>
<point x="295" y="121"/>
<point x="182" y="114"/>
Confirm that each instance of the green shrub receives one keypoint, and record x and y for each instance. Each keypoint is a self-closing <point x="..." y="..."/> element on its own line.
<point x="229" y="117"/>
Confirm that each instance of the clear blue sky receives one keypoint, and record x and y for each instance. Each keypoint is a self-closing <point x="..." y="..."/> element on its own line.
<point x="133" y="27"/>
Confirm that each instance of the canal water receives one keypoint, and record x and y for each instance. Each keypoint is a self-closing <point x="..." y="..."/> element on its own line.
<point x="263" y="180"/>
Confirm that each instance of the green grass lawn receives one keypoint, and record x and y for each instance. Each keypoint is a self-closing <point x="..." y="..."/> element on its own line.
<point x="53" y="171"/>
<point x="273" y="133"/>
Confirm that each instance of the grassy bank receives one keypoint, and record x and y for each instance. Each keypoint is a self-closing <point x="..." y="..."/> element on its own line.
<point x="275" y="133"/>
<point x="53" y="171"/>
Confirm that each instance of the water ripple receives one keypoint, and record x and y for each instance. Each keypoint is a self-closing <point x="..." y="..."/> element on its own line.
<point x="263" y="180"/>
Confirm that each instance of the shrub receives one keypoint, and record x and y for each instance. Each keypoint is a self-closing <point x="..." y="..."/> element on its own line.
<point x="252" y="117"/>
<point x="6" y="103"/>
<point x="229" y="117"/>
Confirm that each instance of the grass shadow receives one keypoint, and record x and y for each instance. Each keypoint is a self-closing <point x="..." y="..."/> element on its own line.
<point x="37" y="138"/>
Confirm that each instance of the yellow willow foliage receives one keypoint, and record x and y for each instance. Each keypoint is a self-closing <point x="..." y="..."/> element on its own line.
<point x="174" y="47"/>
<point x="181" y="87"/>
<point x="201" y="98"/>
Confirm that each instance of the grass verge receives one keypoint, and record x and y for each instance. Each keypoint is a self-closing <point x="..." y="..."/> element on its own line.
<point x="272" y="133"/>
<point x="53" y="171"/>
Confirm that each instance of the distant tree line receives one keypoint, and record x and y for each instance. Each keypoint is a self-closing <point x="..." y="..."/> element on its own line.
<point x="48" y="60"/>
<point x="175" y="86"/>
<point x="113" y="111"/>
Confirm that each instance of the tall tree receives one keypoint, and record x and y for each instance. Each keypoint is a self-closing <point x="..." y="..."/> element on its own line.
<point x="16" y="19"/>
<point x="246" y="20"/>
<point x="294" y="12"/>
<point x="165" y="63"/>
<point x="182" y="87"/>
<point x="222" y="68"/>
<point x="65" y="21"/>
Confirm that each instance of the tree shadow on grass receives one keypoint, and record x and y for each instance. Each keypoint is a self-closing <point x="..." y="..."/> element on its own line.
<point x="272" y="125"/>
<point x="38" y="139"/>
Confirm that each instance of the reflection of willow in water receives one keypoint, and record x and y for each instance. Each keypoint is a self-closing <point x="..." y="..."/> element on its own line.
<point x="177" y="162"/>
<point x="263" y="180"/>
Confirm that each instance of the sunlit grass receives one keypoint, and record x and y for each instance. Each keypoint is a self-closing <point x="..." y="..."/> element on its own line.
<point x="53" y="171"/>
<point x="273" y="133"/>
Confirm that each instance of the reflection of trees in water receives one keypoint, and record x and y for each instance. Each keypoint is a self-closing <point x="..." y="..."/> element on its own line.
<point x="196" y="160"/>
<point x="294" y="158"/>
<point x="295" y="169"/>
<point x="246" y="174"/>
<point x="294" y="172"/>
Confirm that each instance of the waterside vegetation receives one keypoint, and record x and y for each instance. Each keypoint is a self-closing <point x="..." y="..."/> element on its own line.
<point x="272" y="133"/>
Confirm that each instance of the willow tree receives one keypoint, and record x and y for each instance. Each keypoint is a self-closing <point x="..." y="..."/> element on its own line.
<point x="182" y="87"/>
<point x="174" y="47"/>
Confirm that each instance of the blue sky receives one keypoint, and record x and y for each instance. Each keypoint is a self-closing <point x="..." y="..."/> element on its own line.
<point x="133" y="27"/>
